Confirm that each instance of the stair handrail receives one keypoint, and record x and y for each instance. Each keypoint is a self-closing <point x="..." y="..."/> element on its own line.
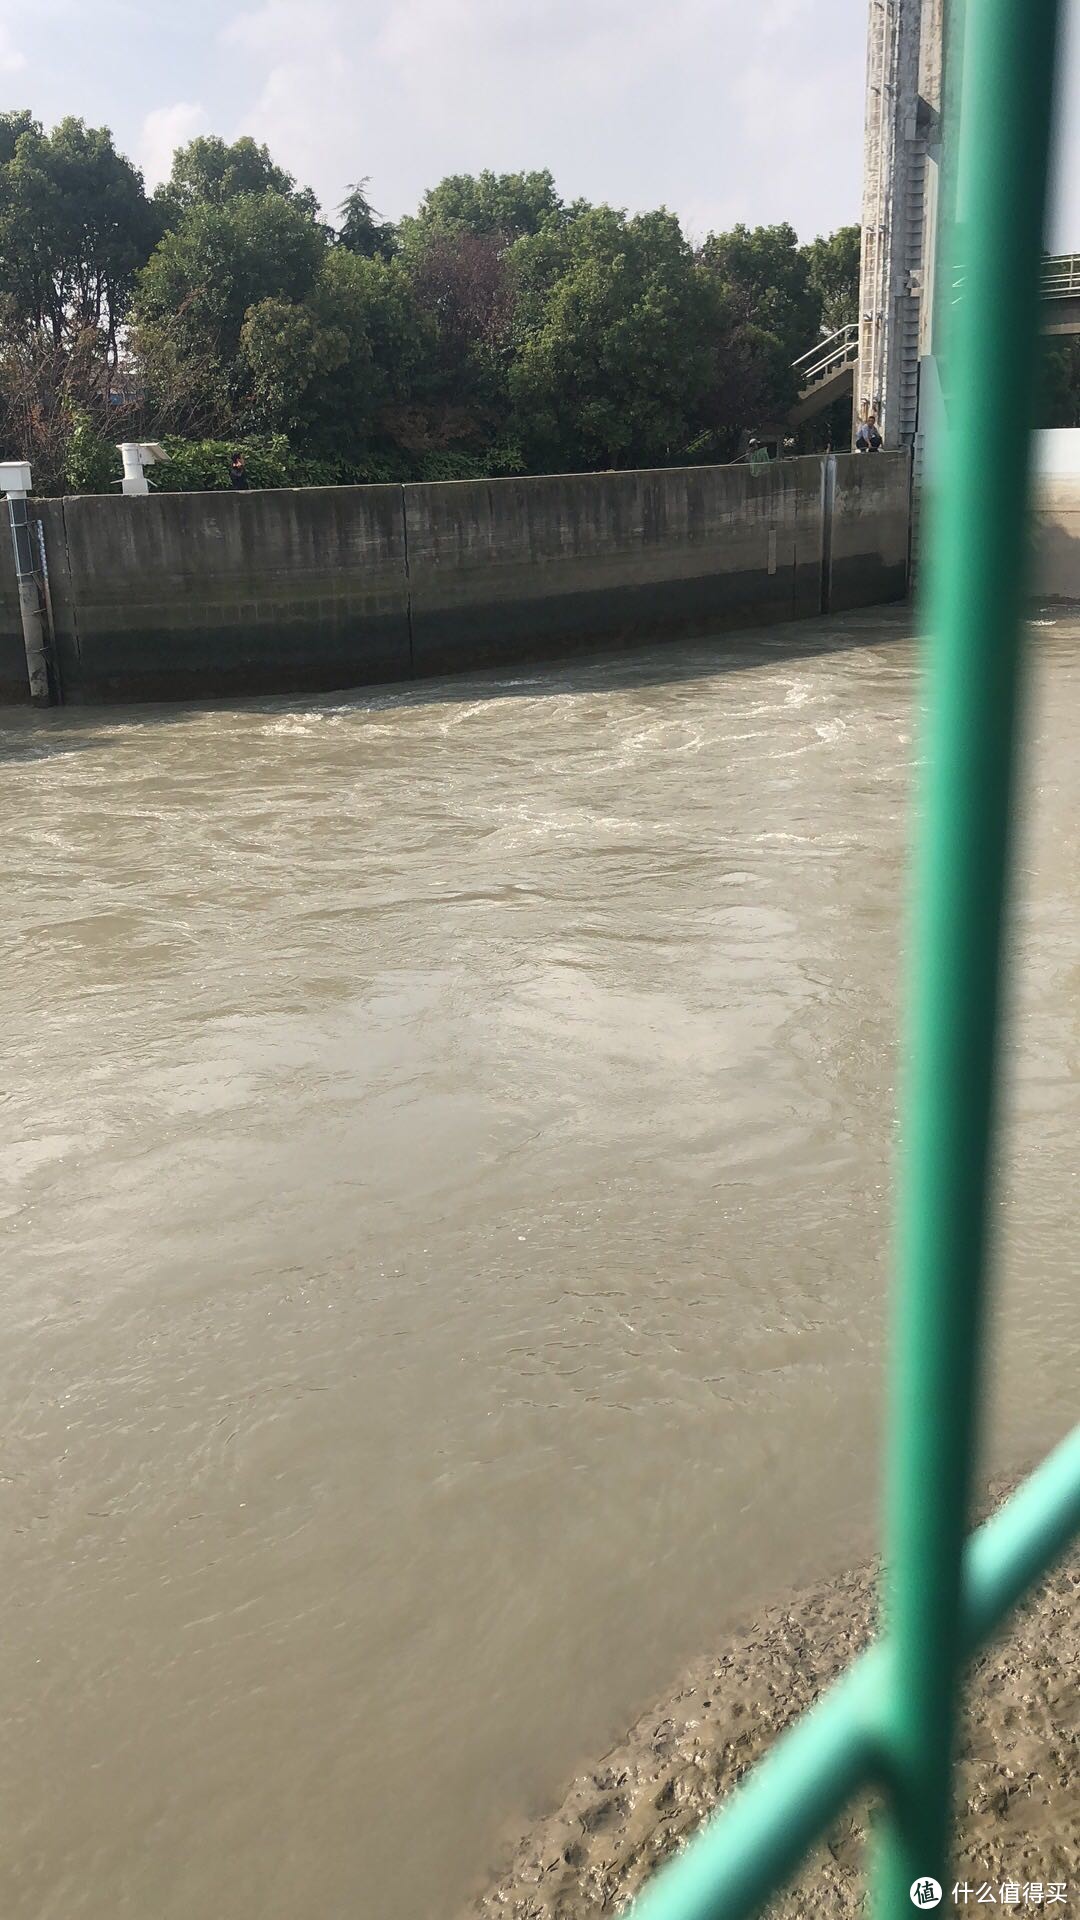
<point x="841" y="336"/>
<point x="835" y="350"/>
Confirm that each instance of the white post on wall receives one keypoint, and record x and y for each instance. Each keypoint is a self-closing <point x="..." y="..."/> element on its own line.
<point x="137" y="455"/>
<point x="15" y="484"/>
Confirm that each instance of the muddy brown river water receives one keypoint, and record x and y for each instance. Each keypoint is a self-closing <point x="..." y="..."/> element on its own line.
<point x="445" y="1169"/>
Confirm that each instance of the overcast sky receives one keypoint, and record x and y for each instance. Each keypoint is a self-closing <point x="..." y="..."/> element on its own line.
<point x="722" y="110"/>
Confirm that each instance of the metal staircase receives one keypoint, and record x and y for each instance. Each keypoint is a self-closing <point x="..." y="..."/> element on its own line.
<point x="825" y="372"/>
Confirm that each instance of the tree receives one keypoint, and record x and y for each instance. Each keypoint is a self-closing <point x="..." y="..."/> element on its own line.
<point x="458" y="249"/>
<point x="284" y="351"/>
<point x="464" y="281"/>
<point x="834" y="263"/>
<point x="766" y="281"/>
<point x="75" y="225"/>
<point x="1060" y="383"/>
<point x="12" y="126"/>
<point x="361" y="231"/>
<point x="615" y="337"/>
<point x="210" y="171"/>
<point x="499" y="327"/>
<point x="506" y="204"/>
<point x="55" y="409"/>
<point x="324" y="370"/>
<point x="195" y="292"/>
<point x="772" y="314"/>
<point x="463" y="289"/>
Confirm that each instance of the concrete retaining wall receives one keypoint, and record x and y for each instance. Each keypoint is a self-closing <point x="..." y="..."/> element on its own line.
<point x="185" y="596"/>
<point x="870" y="528"/>
<point x="182" y="595"/>
<point x="504" y="570"/>
<point x="13" y="681"/>
<point x="1056" y="453"/>
<point x="1056" y="563"/>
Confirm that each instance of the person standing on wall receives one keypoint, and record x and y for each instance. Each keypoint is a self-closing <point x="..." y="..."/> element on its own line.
<point x="868" y="439"/>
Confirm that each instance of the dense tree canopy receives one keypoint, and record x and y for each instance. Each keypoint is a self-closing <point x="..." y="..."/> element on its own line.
<point x="615" y="340"/>
<point x="208" y="172"/>
<point x="223" y="259"/>
<point x="323" y="369"/>
<point x="505" y="204"/>
<point x="498" y="329"/>
<point x="833" y="273"/>
<point x="75" y="226"/>
<point x="773" y="315"/>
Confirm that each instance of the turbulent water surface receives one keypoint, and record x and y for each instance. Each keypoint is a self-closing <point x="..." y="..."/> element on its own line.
<point x="445" y="1177"/>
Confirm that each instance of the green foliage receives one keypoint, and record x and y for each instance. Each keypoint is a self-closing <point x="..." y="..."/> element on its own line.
<point x="370" y="303"/>
<point x="463" y="284"/>
<point x="93" y="463"/>
<point x="210" y="172"/>
<point x="505" y="204"/>
<point x="197" y="289"/>
<point x="285" y="351"/>
<point x="1060" y="383"/>
<point x="833" y="267"/>
<point x="767" y="283"/>
<point x="75" y="225"/>
<point x="360" y="230"/>
<point x="615" y="341"/>
<point x="772" y="313"/>
<point x="503" y="459"/>
<point x="498" y="330"/>
<point x="223" y="259"/>
<point x="323" y="369"/>
<point x="12" y="126"/>
<point x="202" y="466"/>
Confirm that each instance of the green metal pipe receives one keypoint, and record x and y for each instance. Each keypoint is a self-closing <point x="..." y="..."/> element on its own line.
<point x="893" y="1717"/>
<point x="1022" y="1540"/>
<point x="976" y="573"/>
<point x="752" y="1846"/>
<point x="755" y="1844"/>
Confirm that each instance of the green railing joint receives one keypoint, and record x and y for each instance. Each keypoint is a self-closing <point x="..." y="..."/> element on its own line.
<point x="842" y="1745"/>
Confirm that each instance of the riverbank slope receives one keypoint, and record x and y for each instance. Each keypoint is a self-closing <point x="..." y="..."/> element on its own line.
<point x="1018" y="1783"/>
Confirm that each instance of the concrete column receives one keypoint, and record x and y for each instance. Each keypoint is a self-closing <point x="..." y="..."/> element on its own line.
<point x="932" y="106"/>
<point x="891" y="219"/>
<point x="15" y="482"/>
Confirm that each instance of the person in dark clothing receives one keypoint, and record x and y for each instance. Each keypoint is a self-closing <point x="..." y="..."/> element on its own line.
<point x="868" y="439"/>
<point x="238" y="472"/>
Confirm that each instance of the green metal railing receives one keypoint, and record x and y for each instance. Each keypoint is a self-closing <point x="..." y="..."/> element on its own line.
<point x="890" y="1723"/>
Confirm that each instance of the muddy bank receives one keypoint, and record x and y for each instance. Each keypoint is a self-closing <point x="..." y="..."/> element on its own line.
<point x="1018" y="1785"/>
